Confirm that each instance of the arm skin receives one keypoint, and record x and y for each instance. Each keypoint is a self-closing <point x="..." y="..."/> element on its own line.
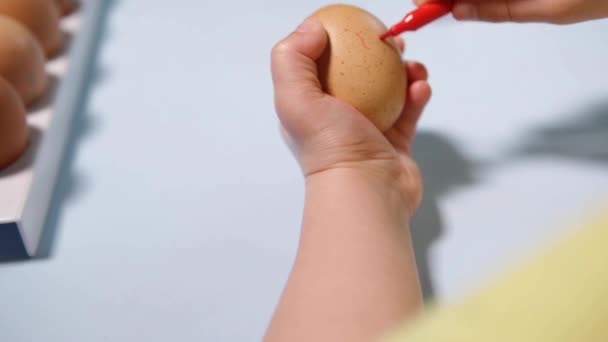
<point x="355" y="275"/>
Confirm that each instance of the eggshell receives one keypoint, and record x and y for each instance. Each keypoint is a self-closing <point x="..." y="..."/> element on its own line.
<point x="21" y="60"/>
<point x="66" y="6"/>
<point x="13" y="126"/>
<point x="41" y="17"/>
<point x="358" y="67"/>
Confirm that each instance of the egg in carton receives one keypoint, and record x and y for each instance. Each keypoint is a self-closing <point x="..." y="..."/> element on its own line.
<point x="42" y="75"/>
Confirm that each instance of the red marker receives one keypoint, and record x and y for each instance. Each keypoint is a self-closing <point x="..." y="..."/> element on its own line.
<point x="419" y="17"/>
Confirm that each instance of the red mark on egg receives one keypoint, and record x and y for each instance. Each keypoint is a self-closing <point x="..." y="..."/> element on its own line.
<point x="362" y="40"/>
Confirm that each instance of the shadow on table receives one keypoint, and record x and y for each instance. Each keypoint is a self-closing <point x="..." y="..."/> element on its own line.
<point x="70" y="183"/>
<point x="582" y="137"/>
<point x="444" y="168"/>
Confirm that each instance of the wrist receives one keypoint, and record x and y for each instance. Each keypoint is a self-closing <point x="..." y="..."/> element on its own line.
<point x="378" y="183"/>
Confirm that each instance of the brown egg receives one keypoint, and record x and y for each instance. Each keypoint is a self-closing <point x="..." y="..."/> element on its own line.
<point x="67" y="6"/>
<point x="21" y="60"/>
<point x="359" y="68"/>
<point x="41" y="17"/>
<point x="13" y="126"/>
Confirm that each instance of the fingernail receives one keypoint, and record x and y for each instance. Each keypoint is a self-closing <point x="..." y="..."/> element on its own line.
<point x="308" y="24"/>
<point x="464" y="11"/>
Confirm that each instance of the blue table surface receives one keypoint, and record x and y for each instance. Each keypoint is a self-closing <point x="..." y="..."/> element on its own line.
<point x="177" y="216"/>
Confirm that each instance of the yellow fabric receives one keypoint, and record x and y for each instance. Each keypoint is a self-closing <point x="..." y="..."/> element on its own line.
<point x="559" y="295"/>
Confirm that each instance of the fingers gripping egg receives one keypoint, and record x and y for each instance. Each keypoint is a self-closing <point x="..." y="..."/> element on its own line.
<point x="13" y="127"/>
<point x="359" y="68"/>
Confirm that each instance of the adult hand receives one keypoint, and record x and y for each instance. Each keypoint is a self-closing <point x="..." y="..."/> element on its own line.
<point x="550" y="11"/>
<point x="326" y="133"/>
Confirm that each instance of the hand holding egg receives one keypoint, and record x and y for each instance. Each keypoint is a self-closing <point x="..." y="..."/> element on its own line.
<point x="328" y="131"/>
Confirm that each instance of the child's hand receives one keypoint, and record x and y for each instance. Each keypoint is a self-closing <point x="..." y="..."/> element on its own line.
<point x="327" y="134"/>
<point x="552" y="11"/>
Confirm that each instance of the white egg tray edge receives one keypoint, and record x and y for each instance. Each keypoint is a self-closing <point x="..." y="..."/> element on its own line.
<point x="27" y="186"/>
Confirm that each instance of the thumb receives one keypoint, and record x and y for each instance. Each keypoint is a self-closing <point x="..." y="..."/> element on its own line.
<point x="294" y="72"/>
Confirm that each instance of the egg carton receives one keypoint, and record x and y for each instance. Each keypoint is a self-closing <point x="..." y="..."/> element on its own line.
<point x="27" y="186"/>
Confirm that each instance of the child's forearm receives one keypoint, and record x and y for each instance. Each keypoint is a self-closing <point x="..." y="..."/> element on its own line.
<point x="355" y="273"/>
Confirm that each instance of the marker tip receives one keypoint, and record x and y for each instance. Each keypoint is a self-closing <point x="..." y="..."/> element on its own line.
<point x="385" y="35"/>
